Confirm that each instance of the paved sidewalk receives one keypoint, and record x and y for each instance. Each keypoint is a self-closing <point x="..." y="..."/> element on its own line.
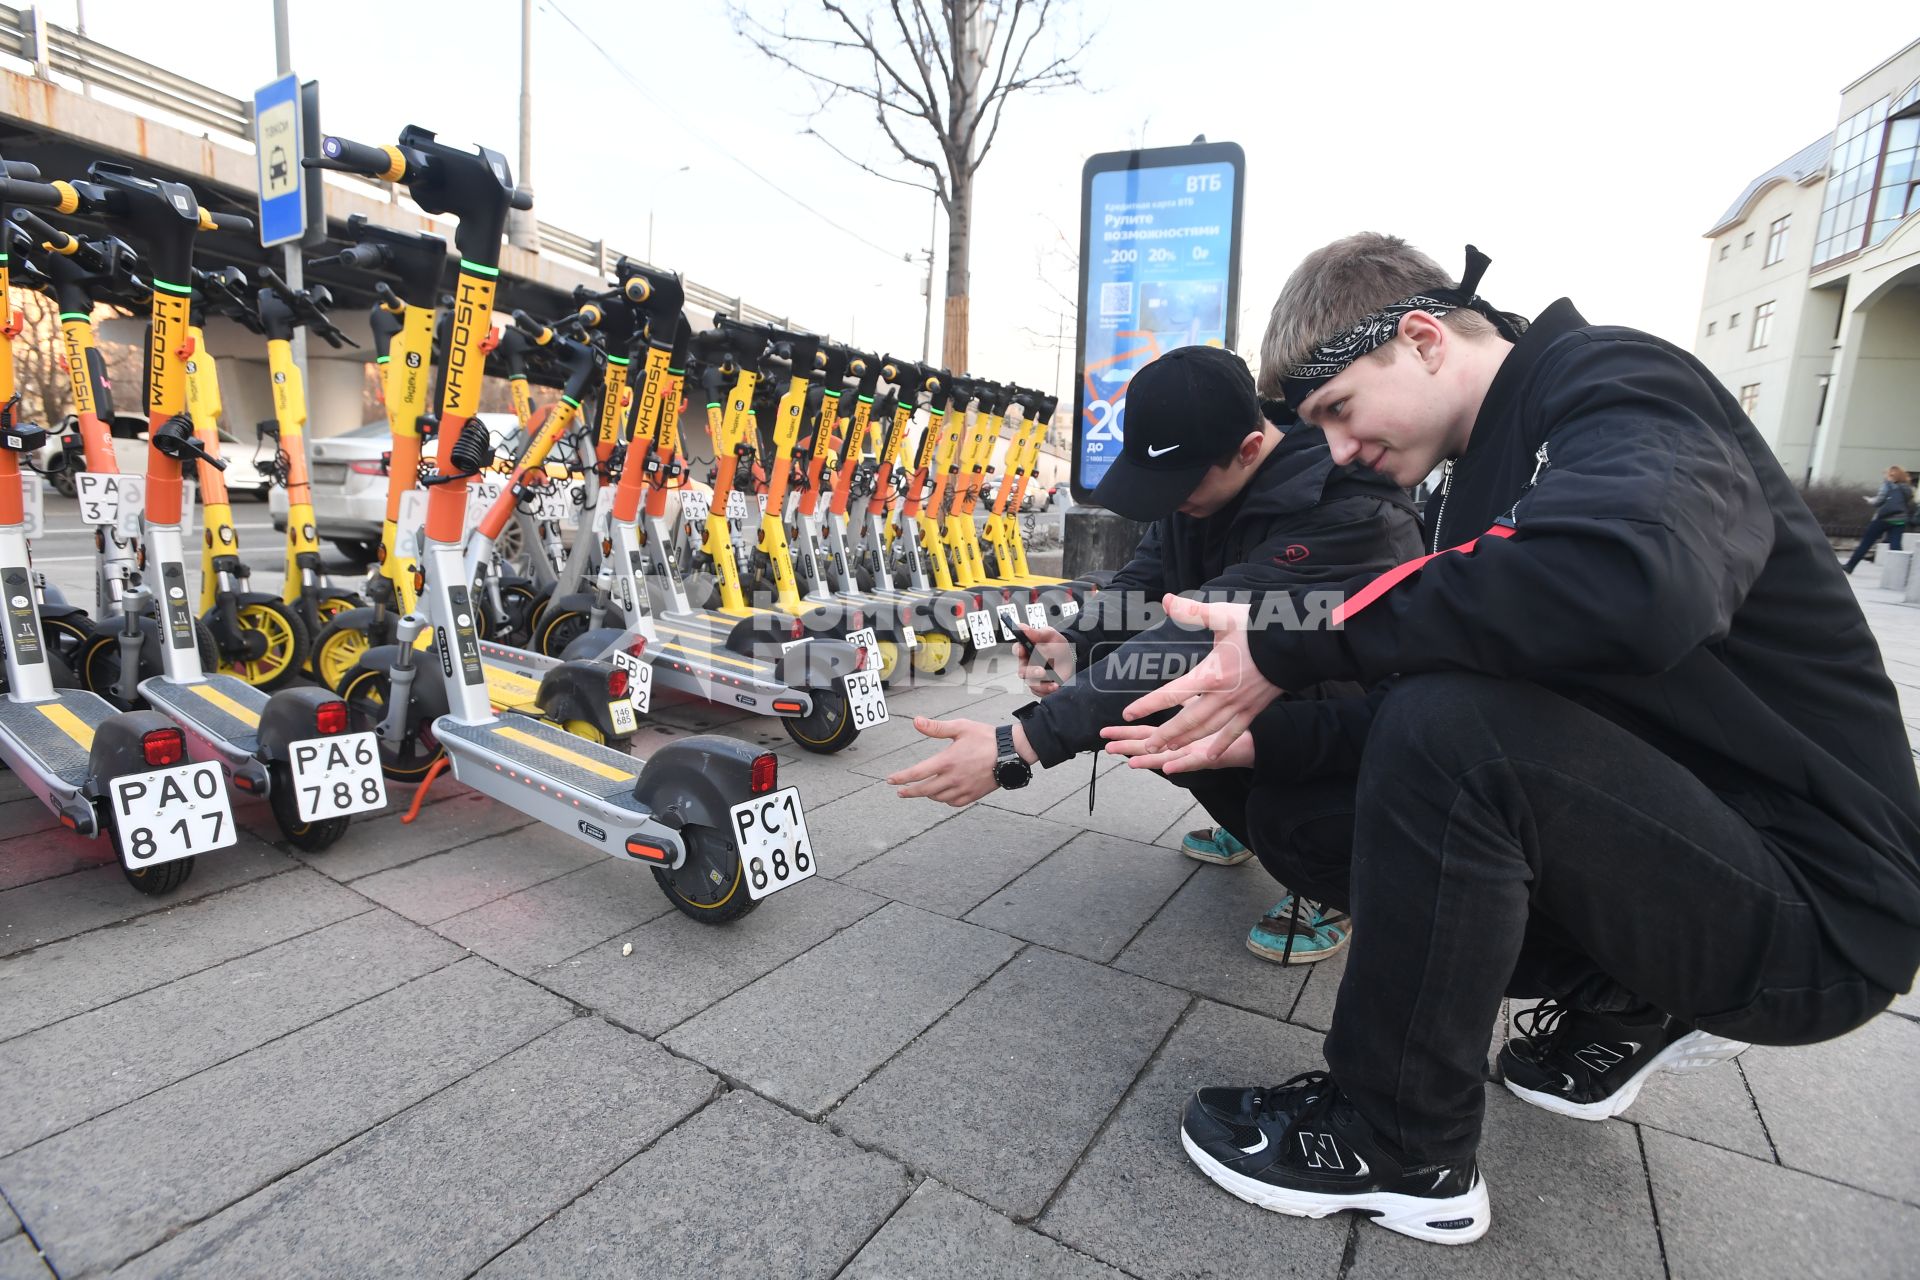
<point x="959" y="1051"/>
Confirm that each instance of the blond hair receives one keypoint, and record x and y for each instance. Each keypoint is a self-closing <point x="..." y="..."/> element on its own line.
<point x="1336" y="287"/>
<point x="1899" y="475"/>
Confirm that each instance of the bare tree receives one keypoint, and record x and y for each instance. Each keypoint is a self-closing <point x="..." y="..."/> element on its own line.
<point x="39" y="364"/>
<point x="936" y="74"/>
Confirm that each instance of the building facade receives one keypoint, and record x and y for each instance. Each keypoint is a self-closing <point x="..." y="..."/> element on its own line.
<point x="1811" y="312"/>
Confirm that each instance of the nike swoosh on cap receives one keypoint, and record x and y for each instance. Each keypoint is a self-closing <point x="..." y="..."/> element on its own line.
<point x="1154" y="453"/>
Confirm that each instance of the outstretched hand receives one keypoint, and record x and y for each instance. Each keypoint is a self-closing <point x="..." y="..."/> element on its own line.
<point x="1132" y="742"/>
<point x="958" y="774"/>
<point x="1219" y="698"/>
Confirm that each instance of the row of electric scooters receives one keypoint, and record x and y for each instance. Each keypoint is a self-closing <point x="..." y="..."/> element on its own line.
<point x="525" y="676"/>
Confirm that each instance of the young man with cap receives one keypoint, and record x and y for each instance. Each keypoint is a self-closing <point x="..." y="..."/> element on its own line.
<point x="1238" y="508"/>
<point x="1640" y="756"/>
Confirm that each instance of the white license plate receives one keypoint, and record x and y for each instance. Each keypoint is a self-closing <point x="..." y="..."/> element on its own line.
<point x="32" y="506"/>
<point x="172" y="813"/>
<point x="771" y="833"/>
<point x="980" y="626"/>
<point x="624" y="721"/>
<point x="639" y="680"/>
<point x="1009" y="621"/>
<point x="1036" y="614"/>
<point x="329" y="473"/>
<point x="907" y="634"/>
<point x="336" y="776"/>
<point x="100" y="496"/>
<point x="866" y="700"/>
<point x="1069" y="608"/>
<point x="870" y="642"/>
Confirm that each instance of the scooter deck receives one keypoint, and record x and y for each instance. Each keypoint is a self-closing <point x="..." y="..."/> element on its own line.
<point x="576" y="787"/>
<point x="58" y="732"/>
<point x="690" y="655"/>
<point x="216" y="707"/>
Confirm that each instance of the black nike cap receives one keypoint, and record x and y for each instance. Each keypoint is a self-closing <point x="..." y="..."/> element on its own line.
<point x="1186" y="411"/>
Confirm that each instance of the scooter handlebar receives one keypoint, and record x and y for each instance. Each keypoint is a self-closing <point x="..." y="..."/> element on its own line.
<point x="42" y="231"/>
<point x="538" y="333"/>
<point x="210" y="221"/>
<point x="21" y="169"/>
<point x="522" y="198"/>
<point x="40" y="195"/>
<point x="348" y="156"/>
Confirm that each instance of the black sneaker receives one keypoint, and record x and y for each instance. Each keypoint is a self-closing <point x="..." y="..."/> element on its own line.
<point x="1301" y="1148"/>
<point x="1591" y="1065"/>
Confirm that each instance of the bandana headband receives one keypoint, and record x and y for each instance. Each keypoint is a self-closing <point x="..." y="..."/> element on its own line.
<point x="1329" y="359"/>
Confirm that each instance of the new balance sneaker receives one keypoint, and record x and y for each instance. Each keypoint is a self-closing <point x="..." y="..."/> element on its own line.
<point x="1298" y="931"/>
<point x="1215" y="845"/>
<point x="1301" y="1148"/>
<point x="1591" y="1065"/>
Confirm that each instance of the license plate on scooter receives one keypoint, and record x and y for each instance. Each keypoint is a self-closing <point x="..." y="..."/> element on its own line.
<point x="870" y="642"/>
<point x="639" y="680"/>
<point x="866" y="699"/>
<point x="172" y="813"/>
<point x="771" y="833"/>
<point x="335" y="776"/>
<point x="980" y="626"/>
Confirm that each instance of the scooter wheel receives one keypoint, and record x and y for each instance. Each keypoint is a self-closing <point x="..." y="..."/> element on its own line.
<point x="828" y="727"/>
<point x="590" y="732"/>
<point x="336" y="653"/>
<point x="153" y="881"/>
<point x="710" y="886"/>
<point x="559" y="629"/>
<point x="365" y="693"/>
<point x="288" y="642"/>
<point x="520" y="603"/>
<point x="889" y="660"/>
<point x="336" y="602"/>
<point x="99" y="669"/>
<point x="308" y="837"/>
<point x="933" y="653"/>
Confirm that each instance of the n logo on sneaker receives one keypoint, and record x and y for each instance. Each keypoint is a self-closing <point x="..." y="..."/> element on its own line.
<point x="1602" y="1058"/>
<point x="1320" y="1151"/>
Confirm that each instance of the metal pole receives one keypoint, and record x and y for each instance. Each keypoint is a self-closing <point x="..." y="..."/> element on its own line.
<point x="523" y="228"/>
<point x="926" y="328"/>
<point x="80" y="29"/>
<point x="292" y="265"/>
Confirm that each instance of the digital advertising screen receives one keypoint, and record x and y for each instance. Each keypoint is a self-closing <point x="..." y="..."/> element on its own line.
<point x="1159" y="269"/>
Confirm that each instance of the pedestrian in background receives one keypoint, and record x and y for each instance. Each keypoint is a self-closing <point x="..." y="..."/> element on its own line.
<point x="1891" y="506"/>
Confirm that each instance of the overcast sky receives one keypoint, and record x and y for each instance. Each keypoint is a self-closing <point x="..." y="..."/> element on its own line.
<point x="1584" y="147"/>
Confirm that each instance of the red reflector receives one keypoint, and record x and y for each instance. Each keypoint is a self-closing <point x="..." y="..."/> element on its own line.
<point x="638" y="647"/>
<point x="859" y="620"/>
<point x="163" y="747"/>
<point x="798" y="632"/>
<point x="766" y="773"/>
<point x="859" y="657"/>
<point x="242" y="783"/>
<point x="368" y="467"/>
<point x="330" y="717"/>
<point x="617" y="683"/>
<point x="651" y="852"/>
<point x="979" y="601"/>
<point x="786" y="706"/>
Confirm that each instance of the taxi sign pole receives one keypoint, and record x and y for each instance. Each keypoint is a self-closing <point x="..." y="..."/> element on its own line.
<point x="278" y="134"/>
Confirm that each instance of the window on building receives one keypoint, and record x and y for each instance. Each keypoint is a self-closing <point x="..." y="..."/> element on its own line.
<point x="1746" y="242"/>
<point x="1777" y="240"/>
<point x="1733" y="321"/>
<point x="1762" y="326"/>
<point x="1749" y="398"/>
<point x="1899" y="191"/>
<point x="1874" y="179"/>
<point x="1725" y="249"/>
<point x="1712" y="326"/>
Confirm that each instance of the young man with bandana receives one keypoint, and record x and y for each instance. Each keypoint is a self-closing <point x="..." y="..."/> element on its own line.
<point x="1238" y="507"/>
<point x="1639" y="755"/>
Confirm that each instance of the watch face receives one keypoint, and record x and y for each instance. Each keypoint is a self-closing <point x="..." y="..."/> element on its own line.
<point x="1012" y="774"/>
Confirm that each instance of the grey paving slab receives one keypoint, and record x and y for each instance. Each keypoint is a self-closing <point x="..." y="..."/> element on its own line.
<point x="76" y="1069"/>
<point x="940" y="1234"/>
<point x="1727" y="1217"/>
<point x="680" y="966"/>
<point x="1053" y="788"/>
<point x="9" y="1220"/>
<point x="76" y="974"/>
<point x="1128" y="802"/>
<point x="811" y="1030"/>
<point x="959" y="864"/>
<point x="40" y="851"/>
<point x="121" y="1183"/>
<point x="539" y="927"/>
<point x="1089" y="897"/>
<point x="444" y="885"/>
<point x="1568" y="1199"/>
<point x="1194" y="819"/>
<point x="741" y="1190"/>
<point x="458" y="817"/>
<point x="1199" y="940"/>
<point x="19" y="1260"/>
<point x="48" y="910"/>
<point x="1712" y="1106"/>
<point x="447" y="1184"/>
<point x="1817" y="1100"/>
<point x="1321" y="992"/>
<point x="1137" y="1202"/>
<point x="1025" y="1070"/>
<point x="857" y="828"/>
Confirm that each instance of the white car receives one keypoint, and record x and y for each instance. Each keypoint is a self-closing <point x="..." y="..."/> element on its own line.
<point x="245" y="477"/>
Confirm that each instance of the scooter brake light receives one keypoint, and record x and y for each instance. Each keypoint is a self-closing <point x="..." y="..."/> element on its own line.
<point x="765" y="773"/>
<point x="330" y="718"/>
<point x="163" y="747"/>
<point x="617" y="683"/>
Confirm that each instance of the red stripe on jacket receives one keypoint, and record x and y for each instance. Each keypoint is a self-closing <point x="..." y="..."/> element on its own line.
<point x="1400" y="572"/>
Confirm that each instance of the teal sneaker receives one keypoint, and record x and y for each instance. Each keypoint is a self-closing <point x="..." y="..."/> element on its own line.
<point x="1298" y="931"/>
<point x="1216" y="846"/>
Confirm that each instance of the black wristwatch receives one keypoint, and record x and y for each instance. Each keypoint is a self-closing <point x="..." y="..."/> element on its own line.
<point x="1010" y="772"/>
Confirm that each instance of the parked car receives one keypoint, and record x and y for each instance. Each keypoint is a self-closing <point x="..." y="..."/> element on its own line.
<point x="349" y="479"/>
<point x="245" y="477"/>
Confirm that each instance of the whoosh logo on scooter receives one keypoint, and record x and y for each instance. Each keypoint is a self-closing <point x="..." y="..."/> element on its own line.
<point x="72" y="333"/>
<point x="166" y="371"/>
<point x="472" y="316"/>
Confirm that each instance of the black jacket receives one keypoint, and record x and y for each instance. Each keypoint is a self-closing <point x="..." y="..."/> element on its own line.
<point x="1301" y="523"/>
<point x="1662" y="570"/>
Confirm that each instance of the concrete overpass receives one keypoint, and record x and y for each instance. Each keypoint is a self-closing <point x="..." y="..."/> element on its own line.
<point x="67" y="101"/>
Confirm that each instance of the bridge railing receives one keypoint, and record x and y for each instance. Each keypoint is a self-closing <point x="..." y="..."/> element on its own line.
<point x="51" y="49"/>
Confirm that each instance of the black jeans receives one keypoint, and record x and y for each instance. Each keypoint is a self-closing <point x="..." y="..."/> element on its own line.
<point x="1876" y="527"/>
<point x="1501" y="840"/>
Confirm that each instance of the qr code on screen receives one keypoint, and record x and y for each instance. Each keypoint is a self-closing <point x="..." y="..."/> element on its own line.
<point x="1116" y="299"/>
